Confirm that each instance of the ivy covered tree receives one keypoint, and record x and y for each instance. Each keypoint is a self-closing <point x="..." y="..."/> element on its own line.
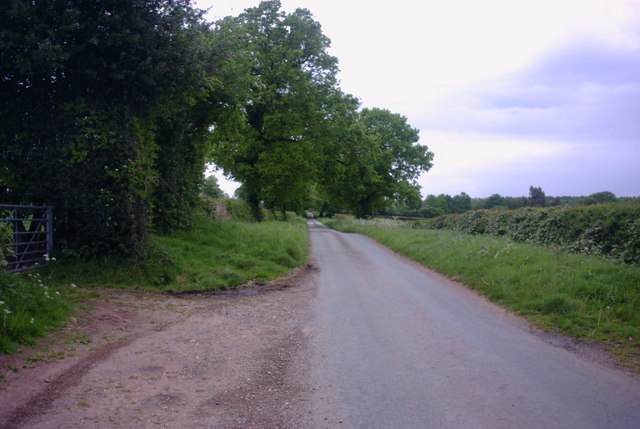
<point x="86" y="88"/>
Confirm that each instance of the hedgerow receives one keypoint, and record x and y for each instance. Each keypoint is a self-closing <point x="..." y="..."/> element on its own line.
<point x="606" y="229"/>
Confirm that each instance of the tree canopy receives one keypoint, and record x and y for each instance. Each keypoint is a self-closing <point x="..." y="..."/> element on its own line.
<point x="109" y="110"/>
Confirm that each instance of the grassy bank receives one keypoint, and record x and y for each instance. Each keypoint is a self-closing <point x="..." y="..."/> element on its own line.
<point x="583" y="296"/>
<point x="212" y="255"/>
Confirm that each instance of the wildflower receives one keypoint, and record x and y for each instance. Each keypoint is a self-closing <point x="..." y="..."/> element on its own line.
<point x="53" y="259"/>
<point x="7" y="311"/>
<point x="57" y="293"/>
<point x="73" y="285"/>
<point x="31" y="321"/>
<point x="1" y="302"/>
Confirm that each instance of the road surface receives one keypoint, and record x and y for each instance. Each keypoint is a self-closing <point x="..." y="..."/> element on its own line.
<point x="396" y="346"/>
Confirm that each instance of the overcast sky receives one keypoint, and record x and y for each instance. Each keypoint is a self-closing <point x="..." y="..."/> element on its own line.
<point x="506" y="93"/>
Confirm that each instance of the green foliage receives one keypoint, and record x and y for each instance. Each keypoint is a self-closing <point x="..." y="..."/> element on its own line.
<point x="599" y="198"/>
<point x="537" y="198"/>
<point x="6" y="238"/>
<point x="86" y="92"/>
<point x="211" y="188"/>
<point x="584" y="296"/>
<point x="445" y="204"/>
<point x="284" y="73"/>
<point x="372" y="161"/>
<point x="604" y="229"/>
<point x="218" y="255"/>
<point x="495" y="201"/>
<point x="231" y="209"/>
<point x="210" y="255"/>
<point x="29" y="307"/>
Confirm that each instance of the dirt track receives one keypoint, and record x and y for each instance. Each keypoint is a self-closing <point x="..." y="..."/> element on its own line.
<point x="144" y="360"/>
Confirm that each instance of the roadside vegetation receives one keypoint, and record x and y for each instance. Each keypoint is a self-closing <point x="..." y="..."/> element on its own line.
<point x="609" y="229"/>
<point x="212" y="255"/>
<point x="587" y="297"/>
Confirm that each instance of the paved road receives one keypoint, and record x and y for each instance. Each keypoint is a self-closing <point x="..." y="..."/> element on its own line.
<point x="399" y="347"/>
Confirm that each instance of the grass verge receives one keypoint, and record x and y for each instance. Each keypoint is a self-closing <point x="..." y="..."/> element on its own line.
<point x="583" y="296"/>
<point x="212" y="255"/>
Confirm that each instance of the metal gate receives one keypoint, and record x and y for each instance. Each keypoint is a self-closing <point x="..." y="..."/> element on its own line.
<point x="32" y="228"/>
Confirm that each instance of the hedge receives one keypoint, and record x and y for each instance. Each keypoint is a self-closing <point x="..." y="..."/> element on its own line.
<point x="611" y="229"/>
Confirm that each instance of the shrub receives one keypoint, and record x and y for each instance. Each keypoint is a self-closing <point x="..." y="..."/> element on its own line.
<point x="605" y="229"/>
<point x="6" y="237"/>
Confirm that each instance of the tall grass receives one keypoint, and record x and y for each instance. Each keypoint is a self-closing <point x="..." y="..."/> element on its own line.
<point x="584" y="296"/>
<point x="210" y="255"/>
<point x="218" y="255"/>
<point x="29" y="307"/>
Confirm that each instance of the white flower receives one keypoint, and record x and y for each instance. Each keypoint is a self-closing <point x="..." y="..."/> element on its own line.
<point x="7" y="311"/>
<point x="57" y="293"/>
<point x="53" y="259"/>
<point x="73" y="285"/>
<point x="31" y="321"/>
<point x="1" y="302"/>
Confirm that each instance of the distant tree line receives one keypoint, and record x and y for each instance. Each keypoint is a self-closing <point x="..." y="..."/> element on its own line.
<point x="443" y="204"/>
<point x="111" y="109"/>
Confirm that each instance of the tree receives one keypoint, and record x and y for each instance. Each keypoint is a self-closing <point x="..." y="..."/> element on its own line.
<point x="434" y="206"/>
<point x="599" y="198"/>
<point x="270" y="143"/>
<point x="537" y="198"/>
<point x="494" y="201"/>
<point x="211" y="188"/>
<point x="393" y="163"/>
<point x="85" y="86"/>
<point x="460" y="203"/>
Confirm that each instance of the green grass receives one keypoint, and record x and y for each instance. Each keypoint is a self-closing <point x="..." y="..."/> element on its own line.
<point x="29" y="307"/>
<point x="587" y="297"/>
<point x="217" y="255"/>
<point x="212" y="255"/>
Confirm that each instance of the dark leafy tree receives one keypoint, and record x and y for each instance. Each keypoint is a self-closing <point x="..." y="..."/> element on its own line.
<point x="211" y="188"/>
<point x="494" y="201"/>
<point x="85" y="86"/>
<point x="388" y="164"/>
<point x="599" y="198"/>
<point x="537" y="198"/>
<point x="268" y="144"/>
<point x="460" y="203"/>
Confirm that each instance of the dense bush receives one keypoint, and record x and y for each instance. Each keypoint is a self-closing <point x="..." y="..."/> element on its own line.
<point x="606" y="229"/>
<point x="6" y="237"/>
<point x="232" y="209"/>
<point x="103" y="112"/>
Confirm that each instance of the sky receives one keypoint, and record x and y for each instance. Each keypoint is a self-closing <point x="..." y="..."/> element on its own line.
<point x="507" y="94"/>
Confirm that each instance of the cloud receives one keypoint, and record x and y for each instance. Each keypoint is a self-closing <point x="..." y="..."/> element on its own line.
<point x="586" y="89"/>
<point x="569" y="123"/>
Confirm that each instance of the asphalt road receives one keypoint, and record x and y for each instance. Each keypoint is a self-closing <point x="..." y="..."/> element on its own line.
<point x="399" y="347"/>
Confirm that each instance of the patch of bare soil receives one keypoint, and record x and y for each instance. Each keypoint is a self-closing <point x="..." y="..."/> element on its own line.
<point x="232" y="360"/>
